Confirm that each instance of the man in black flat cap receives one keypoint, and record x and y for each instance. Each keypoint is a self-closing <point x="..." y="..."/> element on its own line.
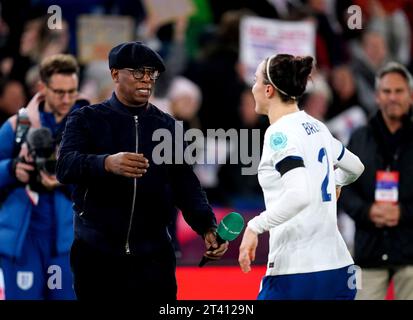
<point x="124" y="200"/>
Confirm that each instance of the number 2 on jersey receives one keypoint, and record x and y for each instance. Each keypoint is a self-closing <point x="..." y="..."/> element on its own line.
<point x="324" y="194"/>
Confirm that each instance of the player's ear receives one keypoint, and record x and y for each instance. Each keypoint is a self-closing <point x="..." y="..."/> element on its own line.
<point x="269" y="91"/>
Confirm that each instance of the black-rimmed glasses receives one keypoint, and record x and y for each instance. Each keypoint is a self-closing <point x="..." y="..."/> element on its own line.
<point x="139" y="73"/>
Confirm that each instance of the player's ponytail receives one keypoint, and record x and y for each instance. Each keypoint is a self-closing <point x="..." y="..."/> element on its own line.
<point x="288" y="74"/>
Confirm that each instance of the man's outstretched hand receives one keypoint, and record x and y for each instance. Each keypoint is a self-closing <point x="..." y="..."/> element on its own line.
<point x="127" y="164"/>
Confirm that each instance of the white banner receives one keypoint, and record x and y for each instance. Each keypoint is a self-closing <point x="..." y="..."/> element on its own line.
<point x="97" y="34"/>
<point x="261" y="37"/>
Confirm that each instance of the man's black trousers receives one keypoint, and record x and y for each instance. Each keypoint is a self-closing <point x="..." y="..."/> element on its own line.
<point x="103" y="276"/>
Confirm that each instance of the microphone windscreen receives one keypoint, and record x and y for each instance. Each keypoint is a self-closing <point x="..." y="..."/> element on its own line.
<point x="40" y="138"/>
<point x="230" y="226"/>
<point x="228" y="229"/>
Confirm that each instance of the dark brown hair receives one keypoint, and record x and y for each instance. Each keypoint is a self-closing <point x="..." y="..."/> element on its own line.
<point x="58" y="63"/>
<point x="289" y="75"/>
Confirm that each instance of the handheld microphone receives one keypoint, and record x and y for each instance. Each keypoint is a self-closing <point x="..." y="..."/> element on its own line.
<point x="42" y="148"/>
<point x="40" y="141"/>
<point x="228" y="229"/>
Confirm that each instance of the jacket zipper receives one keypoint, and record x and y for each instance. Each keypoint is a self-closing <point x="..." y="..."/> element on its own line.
<point x="84" y="203"/>
<point x="135" y="181"/>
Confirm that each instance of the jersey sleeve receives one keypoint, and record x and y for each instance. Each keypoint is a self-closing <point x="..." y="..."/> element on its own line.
<point x="282" y="147"/>
<point x="349" y="169"/>
<point x="294" y="199"/>
<point x="338" y="150"/>
<point x="348" y="165"/>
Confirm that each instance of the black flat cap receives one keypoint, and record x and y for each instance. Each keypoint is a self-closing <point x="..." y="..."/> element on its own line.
<point x="134" y="55"/>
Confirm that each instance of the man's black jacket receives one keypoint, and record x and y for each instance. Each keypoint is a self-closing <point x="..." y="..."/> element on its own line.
<point x="111" y="212"/>
<point x="378" y="149"/>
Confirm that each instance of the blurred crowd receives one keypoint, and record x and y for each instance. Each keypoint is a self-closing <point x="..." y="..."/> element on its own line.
<point x="203" y="85"/>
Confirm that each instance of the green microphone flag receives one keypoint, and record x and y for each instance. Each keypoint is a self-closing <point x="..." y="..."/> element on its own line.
<point x="230" y="226"/>
<point x="228" y="229"/>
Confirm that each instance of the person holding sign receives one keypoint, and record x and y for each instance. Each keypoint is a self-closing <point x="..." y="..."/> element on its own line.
<point x="308" y="258"/>
<point x="381" y="201"/>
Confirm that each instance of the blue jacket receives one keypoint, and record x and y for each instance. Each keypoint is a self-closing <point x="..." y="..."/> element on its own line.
<point x="16" y="209"/>
<point x="118" y="214"/>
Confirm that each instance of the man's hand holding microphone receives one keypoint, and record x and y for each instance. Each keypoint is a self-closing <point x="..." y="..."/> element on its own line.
<point x="215" y="248"/>
<point x="216" y="241"/>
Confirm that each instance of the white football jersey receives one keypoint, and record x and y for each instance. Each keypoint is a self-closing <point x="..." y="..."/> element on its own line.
<point x="310" y="241"/>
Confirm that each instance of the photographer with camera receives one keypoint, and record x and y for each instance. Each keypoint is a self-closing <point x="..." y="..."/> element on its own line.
<point x="35" y="210"/>
<point x="37" y="165"/>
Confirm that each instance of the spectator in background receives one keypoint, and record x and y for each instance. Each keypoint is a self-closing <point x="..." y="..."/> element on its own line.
<point x="243" y="191"/>
<point x="170" y="40"/>
<point x="12" y="98"/>
<point x="381" y="200"/>
<point x="26" y="57"/>
<point x="174" y="52"/>
<point x="217" y="73"/>
<point x="13" y="15"/>
<point x="185" y="99"/>
<point x="37" y="42"/>
<point x="32" y="80"/>
<point x="389" y="18"/>
<point x="72" y="9"/>
<point x="345" y="113"/>
<point x="36" y="214"/>
<point x="250" y="119"/>
<point x="317" y="97"/>
<point x="368" y="58"/>
<point x="331" y="48"/>
<point x="394" y="25"/>
<point x="97" y="83"/>
<point x="408" y="10"/>
<point x="344" y="91"/>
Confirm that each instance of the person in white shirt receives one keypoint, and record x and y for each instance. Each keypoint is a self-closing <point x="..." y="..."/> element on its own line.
<point x="301" y="172"/>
